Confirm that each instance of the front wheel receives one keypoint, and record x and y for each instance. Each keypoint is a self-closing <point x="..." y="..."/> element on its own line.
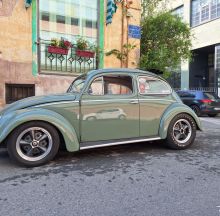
<point x="33" y="143"/>
<point x="181" y="132"/>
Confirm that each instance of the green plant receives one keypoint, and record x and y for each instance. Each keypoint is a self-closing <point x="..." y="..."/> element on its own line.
<point x="123" y="54"/>
<point x="82" y="44"/>
<point x="60" y="43"/>
<point x="165" y="42"/>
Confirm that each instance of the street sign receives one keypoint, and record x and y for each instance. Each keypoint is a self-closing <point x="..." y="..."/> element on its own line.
<point x="134" y="31"/>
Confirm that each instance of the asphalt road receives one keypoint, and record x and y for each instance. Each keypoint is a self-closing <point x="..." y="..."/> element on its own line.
<point x="136" y="179"/>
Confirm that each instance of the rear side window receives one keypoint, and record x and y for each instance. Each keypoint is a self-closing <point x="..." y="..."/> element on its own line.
<point x="151" y="85"/>
<point x="186" y="94"/>
<point x="209" y="95"/>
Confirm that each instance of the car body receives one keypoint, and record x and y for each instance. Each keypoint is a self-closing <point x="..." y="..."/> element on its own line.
<point x="34" y="128"/>
<point x="201" y="102"/>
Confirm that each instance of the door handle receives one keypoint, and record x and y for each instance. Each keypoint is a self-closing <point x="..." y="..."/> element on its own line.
<point x="134" y="102"/>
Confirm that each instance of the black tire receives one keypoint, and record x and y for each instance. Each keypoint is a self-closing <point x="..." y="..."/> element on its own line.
<point x="172" y="141"/>
<point x="18" y="151"/>
<point x="212" y="115"/>
<point x="196" y="109"/>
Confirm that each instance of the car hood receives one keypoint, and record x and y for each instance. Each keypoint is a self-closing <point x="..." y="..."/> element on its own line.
<point x="38" y="100"/>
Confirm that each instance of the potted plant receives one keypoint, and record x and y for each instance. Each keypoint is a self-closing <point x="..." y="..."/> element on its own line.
<point x="82" y="49"/>
<point x="59" y="46"/>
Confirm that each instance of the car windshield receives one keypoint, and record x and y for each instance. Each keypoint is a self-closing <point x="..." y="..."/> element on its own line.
<point x="77" y="84"/>
<point x="211" y="96"/>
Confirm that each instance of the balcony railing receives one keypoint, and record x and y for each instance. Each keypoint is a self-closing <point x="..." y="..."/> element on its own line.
<point x="62" y="64"/>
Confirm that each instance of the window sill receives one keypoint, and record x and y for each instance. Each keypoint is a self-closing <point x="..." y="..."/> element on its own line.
<point x="57" y="73"/>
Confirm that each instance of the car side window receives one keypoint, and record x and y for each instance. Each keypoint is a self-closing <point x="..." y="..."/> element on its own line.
<point x="97" y="87"/>
<point x="111" y="85"/>
<point x="151" y="85"/>
<point x="118" y="85"/>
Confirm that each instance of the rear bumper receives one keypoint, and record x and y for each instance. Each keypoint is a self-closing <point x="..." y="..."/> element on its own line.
<point x="213" y="110"/>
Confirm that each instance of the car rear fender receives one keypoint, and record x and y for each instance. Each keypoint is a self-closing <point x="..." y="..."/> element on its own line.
<point x="173" y="110"/>
<point x="13" y="119"/>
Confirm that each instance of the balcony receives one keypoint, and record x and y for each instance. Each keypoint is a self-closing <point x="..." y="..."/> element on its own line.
<point x="69" y="64"/>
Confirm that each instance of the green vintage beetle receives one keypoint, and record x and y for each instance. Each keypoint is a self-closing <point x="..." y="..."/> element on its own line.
<point x="101" y="108"/>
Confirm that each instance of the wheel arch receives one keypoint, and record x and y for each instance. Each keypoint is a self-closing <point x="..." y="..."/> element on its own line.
<point x="173" y="111"/>
<point x="64" y="128"/>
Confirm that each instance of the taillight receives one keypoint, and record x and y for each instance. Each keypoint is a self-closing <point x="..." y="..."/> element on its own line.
<point x="207" y="101"/>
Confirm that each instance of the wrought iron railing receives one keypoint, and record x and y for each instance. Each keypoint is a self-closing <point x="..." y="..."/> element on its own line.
<point x="60" y="63"/>
<point x="206" y="89"/>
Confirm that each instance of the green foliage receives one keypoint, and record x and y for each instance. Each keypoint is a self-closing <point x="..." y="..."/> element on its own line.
<point x="166" y="40"/>
<point x="82" y="44"/>
<point x="122" y="55"/>
<point x="150" y="7"/>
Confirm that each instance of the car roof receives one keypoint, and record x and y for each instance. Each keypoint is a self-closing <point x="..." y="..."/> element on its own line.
<point x="120" y="70"/>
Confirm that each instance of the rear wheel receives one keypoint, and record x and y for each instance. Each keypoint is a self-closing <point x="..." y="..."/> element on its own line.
<point x="212" y="115"/>
<point x="196" y="109"/>
<point x="181" y="132"/>
<point x="33" y="144"/>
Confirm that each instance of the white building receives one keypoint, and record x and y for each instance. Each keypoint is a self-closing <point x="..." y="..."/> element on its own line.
<point x="203" y="16"/>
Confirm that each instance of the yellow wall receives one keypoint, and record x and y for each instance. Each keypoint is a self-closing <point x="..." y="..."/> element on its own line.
<point x="15" y="34"/>
<point x="16" y="47"/>
<point x="116" y="35"/>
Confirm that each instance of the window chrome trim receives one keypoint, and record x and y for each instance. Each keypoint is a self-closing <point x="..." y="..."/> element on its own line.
<point x="120" y="143"/>
<point x="112" y="74"/>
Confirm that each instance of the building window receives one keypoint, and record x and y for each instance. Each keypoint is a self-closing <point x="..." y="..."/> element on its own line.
<point x="16" y="92"/>
<point x="179" y="12"/>
<point x="68" y="19"/>
<point x="204" y="11"/>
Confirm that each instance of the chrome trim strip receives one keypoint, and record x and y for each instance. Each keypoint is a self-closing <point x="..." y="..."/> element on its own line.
<point x="110" y="100"/>
<point x="156" y="100"/>
<point x="120" y="143"/>
<point x="55" y="103"/>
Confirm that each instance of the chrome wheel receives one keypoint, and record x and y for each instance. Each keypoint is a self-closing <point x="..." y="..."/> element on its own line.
<point x="34" y="144"/>
<point x="182" y="131"/>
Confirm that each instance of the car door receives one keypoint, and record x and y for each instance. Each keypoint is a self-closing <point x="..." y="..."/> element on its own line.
<point x="154" y="98"/>
<point x="104" y="94"/>
<point x="188" y="98"/>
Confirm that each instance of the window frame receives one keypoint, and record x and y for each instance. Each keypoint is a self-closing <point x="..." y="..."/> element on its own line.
<point x="166" y="84"/>
<point x="110" y="95"/>
<point x="200" y="8"/>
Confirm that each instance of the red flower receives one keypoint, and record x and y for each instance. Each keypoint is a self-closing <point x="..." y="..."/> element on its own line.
<point x="67" y="44"/>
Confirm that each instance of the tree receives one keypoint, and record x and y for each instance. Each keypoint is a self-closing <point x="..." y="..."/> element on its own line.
<point x="150" y="7"/>
<point x="166" y="40"/>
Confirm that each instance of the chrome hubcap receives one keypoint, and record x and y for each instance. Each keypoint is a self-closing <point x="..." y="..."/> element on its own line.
<point x="34" y="144"/>
<point x="182" y="131"/>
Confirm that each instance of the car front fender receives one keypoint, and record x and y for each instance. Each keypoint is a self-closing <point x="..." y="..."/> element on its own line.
<point x="171" y="112"/>
<point x="10" y="121"/>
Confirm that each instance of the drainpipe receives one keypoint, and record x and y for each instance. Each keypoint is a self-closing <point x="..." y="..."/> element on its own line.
<point x="122" y="30"/>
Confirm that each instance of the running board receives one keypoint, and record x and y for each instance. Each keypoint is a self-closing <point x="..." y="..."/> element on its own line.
<point x="120" y="143"/>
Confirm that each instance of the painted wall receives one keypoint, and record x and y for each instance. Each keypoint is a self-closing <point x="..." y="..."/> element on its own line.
<point x="16" y="52"/>
<point x="116" y="34"/>
<point x="17" y="58"/>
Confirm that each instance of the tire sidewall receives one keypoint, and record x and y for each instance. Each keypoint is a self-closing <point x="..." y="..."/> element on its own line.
<point x="171" y="141"/>
<point x="11" y="143"/>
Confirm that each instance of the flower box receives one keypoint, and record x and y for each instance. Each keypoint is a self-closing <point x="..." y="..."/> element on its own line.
<point x="57" y="50"/>
<point x="85" y="53"/>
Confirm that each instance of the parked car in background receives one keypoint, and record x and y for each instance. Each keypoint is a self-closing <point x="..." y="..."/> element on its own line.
<point x="201" y="102"/>
<point x="101" y="108"/>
